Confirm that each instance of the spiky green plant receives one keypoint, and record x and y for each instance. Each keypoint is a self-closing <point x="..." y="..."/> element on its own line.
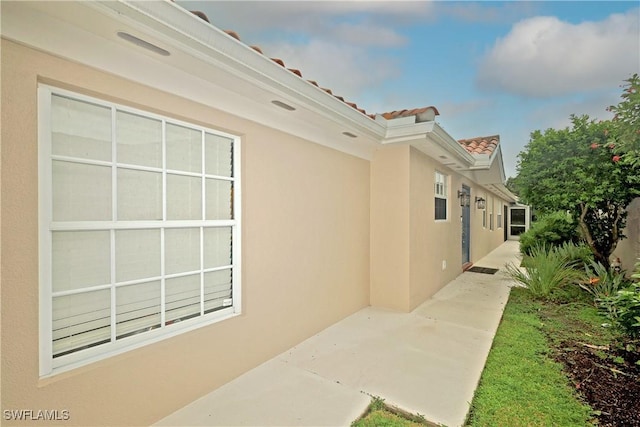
<point x="545" y="271"/>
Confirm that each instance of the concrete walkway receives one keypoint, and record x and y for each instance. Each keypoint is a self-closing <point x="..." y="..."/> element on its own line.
<point x="426" y="362"/>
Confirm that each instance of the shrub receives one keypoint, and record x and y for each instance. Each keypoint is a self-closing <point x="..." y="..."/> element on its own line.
<point x="552" y="229"/>
<point x="623" y="308"/>
<point x="546" y="271"/>
<point x="577" y="255"/>
<point x="602" y="283"/>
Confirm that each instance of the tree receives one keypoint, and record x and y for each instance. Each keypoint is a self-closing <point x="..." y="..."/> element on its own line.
<point x="626" y="122"/>
<point x="577" y="169"/>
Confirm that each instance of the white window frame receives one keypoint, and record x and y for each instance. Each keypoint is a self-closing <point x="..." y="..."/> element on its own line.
<point x="491" y="203"/>
<point x="48" y="365"/>
<point x="499" y="215"/>
<point x="441" y="191"/>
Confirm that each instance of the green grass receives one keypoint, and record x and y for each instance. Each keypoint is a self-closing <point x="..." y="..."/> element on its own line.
<point x="521" y="384"/>
<point x="380" y="415"/>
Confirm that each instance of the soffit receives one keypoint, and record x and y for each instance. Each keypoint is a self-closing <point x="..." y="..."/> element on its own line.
<point x="218" y="73"/>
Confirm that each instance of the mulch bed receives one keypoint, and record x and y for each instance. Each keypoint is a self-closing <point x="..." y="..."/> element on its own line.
<point x="607" y="379"/>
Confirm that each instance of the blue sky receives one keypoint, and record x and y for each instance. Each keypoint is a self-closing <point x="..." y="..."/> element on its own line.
<point x="504" y="68"/>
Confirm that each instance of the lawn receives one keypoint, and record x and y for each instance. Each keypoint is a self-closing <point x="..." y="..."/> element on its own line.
<point x="522" y="384"/>
<point x="554" y="362"/>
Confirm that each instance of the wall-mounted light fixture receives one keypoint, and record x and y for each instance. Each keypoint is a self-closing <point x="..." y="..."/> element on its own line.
<point x="465" y="198"/>
<point x="480" y="203"/>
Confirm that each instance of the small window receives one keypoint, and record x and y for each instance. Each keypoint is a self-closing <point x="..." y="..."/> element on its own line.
<point x="440" y="196"/>
<point x="499" y="216"/>
<point x="491" y="225"/>
<point x="484" y="217"/>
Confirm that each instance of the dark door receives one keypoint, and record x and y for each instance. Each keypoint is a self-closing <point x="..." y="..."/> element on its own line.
<point x="505" y="220"/>
<point x="466" y="225"/>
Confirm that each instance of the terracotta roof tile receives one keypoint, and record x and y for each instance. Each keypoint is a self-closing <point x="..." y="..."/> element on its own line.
<point x="421" y="114"/>
<point x="200" y="15"/>
<point x="235" y="35"/>
<point x="229" y="32"/>
<point x="481" y="144"/>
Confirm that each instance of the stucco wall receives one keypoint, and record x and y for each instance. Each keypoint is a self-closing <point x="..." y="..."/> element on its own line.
<point x="628" y="249"/>
<point x="305" y="256"/>
<point x="390" y="228"/>
<point x="412" y="255"/>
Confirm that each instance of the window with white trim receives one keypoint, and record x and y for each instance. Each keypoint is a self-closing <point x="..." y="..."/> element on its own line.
<point x="491" y="203"/>
<point x="499" y="215"/>
<point x="484" y="213"/>
<point x="440" y="189"/>
<point x="139" y="228"/>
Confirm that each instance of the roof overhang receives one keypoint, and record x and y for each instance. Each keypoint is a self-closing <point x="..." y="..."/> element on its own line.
<point x="204" y="64"/>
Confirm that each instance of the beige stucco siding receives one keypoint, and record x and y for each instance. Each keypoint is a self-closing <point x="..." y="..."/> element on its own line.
<point x="413" y="255"/>
<point x="305" y="260"/>
<point x="435" y="245"/>
<point x="390" y="228"/>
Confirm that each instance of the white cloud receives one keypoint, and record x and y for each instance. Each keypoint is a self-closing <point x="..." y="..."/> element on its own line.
<point x="312" y="18"/>
<point x="345" y="69"/>
<point x="368" y="35"/>
<point x="544" y="57"/>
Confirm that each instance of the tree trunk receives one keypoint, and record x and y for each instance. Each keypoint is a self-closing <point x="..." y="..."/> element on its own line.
<point x="599" y="257"/>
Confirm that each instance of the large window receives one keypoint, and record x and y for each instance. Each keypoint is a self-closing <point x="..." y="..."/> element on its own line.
<point x="140" y="231"/>
<point x="440" y="196"/>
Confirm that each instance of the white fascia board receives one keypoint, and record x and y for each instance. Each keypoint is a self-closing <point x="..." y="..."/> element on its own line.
<point x="191" y="34"/>
<point x="404" y="132"/>
<point x="451" y="145"/>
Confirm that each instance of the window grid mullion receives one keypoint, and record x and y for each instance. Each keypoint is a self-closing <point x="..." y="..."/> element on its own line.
<point x="203" y="200"/>
<point x="114" y="217"/>
<point x="163" y="281"/>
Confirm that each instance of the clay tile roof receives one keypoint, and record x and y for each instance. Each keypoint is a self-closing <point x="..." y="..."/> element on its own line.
<point x="235" y="35"/>
<point x="200" y="15"/>
<point x="481" y="144"/>
<point x="421" y="114"/>
<point x="231" y="33"/>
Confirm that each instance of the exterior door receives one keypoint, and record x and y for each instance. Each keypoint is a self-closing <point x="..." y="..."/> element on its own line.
<point x="505" y="220"/>
<point x="466" y="225"/>
<point x="518" y="221"/>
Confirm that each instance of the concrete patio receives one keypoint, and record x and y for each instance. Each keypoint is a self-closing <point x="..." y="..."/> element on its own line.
<point x="425" y="362"/>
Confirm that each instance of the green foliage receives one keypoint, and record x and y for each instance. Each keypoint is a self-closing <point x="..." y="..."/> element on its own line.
<point x="577" y="255"/>
<point x="626" y="123"/>
<point x="624" y="309"/>
<point x="552" y="229"/>
<point x="546" y="270"/>
<point x="602" y="283"/>
<point x="576" y="169"/>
